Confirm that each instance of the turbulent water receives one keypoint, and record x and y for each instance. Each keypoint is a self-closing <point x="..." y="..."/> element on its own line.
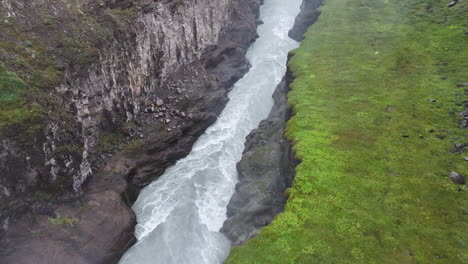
<point x="180" y="214"/>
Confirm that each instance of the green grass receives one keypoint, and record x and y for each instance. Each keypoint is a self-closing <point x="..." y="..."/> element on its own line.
<point x="363" y="193"/>
<point x="15" y="112"/>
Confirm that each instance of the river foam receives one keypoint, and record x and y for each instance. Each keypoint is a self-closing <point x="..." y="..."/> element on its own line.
<point x="180" y="214"/>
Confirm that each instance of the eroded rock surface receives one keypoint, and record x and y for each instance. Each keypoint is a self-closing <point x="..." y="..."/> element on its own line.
<point x="156" y="82"/>
<point x="265" y="171"/>
<point x="308" y="16"/>
<point x="268" y="164"/>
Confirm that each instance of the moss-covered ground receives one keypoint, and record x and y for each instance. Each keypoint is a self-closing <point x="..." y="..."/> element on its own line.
<point x="373" y="183"/>
<point x="35" y="46"/>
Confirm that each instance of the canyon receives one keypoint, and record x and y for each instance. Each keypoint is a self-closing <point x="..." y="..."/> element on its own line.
<point x="155" y="76"/>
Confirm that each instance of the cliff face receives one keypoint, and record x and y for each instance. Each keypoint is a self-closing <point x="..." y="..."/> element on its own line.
<point x="153" y="73"/>
<point x="265" y="171"/>
<point x="267" y="167"/>
<point x="308" y="16"/>
<point x="149" y="66"/>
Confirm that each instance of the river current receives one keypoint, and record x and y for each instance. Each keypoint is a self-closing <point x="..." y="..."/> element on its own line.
<point x="180" y="214"/>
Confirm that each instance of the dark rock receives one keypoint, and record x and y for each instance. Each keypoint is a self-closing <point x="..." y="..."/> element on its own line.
<point x="432" y="100"/>
<point x="452" y="3"/>
<point x="405" y="135"/>
<point x="98" y="227"/>
<point x="457" y="178"/>
<point x="265" y="171"/>
<point x="308" y="15"/>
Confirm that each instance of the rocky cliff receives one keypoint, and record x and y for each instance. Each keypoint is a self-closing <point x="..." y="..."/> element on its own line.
<point x="110" y="94"/>
<point x="265" y="171"/>
<point x="267" y="167"/>
<point x="308" y="16"/>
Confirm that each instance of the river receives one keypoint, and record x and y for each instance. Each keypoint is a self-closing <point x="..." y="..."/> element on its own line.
<point x="180" y="214"/>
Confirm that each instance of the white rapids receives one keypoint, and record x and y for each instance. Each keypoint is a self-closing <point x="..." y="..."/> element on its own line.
<point x="180" y="214"/>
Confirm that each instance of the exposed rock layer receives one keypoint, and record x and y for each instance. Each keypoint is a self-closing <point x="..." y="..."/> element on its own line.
<point x="265" y="171"/>
<point x="169" y="73"/>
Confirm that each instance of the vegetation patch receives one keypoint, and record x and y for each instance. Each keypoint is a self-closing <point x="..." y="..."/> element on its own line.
<point x="375" y="99"/>
<point x="60" y="220"/>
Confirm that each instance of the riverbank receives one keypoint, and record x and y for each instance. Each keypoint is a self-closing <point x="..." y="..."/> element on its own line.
<point x="376" y="96"/>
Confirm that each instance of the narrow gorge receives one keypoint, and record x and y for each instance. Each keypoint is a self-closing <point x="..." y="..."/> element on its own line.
<point x="138" y="104"/>
<point x="180" y="214"/>
<point x="142" y="81"/>
<point x="233" y="131"/>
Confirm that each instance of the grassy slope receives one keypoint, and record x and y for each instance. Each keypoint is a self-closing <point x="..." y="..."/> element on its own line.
<point x="363" y="192"/>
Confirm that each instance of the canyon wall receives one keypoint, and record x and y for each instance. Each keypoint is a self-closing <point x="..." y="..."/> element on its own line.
<point x="267" y="167"/>
<point x="133" y="84"/>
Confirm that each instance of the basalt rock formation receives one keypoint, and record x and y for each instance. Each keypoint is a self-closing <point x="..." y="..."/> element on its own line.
<point x="308" y="15"/>
<point x="265" y="171"/>
<point x="267" y="167"/>
<point x="126" y="88"/>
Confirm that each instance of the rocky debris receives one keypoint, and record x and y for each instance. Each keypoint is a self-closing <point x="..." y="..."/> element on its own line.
<point x="308" y="15"/>
<point x="159" y="102"/>
<point x="457" y="178"/>
<point x="92" y="229"/>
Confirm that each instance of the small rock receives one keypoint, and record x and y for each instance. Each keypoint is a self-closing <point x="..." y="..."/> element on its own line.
<point x="454" y="2"/>
<point x="466" y="158"/>
<point x="169" y="130"/>
<point x="179" y="91"/>
<point x="168" y="121"/>
<point x="159" y="102"/>
<point x="457" y="178"/>
<point x="405" y="135"/>
<point x="432" y="100"/>
<point x="421" y="136"/>
<point x="459" y="145"/>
